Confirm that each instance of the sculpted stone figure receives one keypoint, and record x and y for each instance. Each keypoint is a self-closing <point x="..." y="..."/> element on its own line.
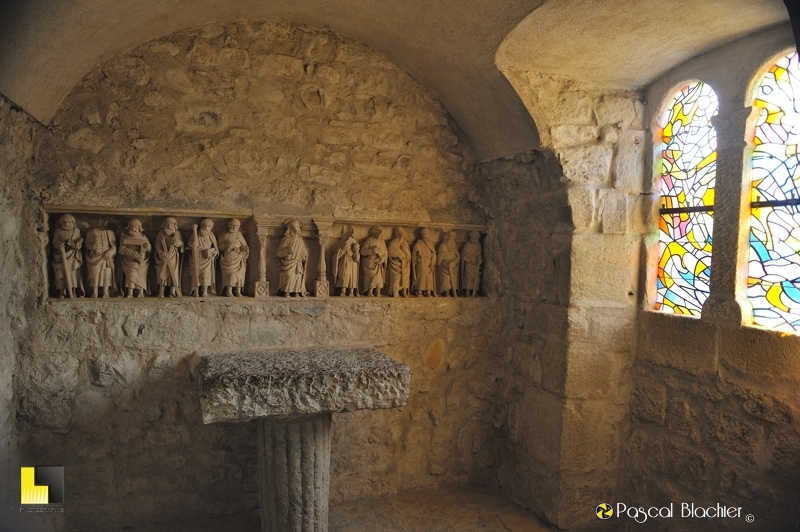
<point x="67" y="259"/>
<point x="293" y="255"/>
<point x="135" y="250"/>
<point x="169" y="251"/>
<point x="423" y="258"/>
<point x="447" y="263"/>
<point x="471" y="262"/>
<point x="101" y="247"/>
<point x="345" y="264"/>
<point x="374" y="255"/>
<point x="399" y="265"/>
<point x="205" y="251"/>
<point x="235" y="252"/>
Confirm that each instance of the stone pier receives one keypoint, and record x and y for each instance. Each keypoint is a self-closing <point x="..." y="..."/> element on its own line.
<point x="292" y="394"/>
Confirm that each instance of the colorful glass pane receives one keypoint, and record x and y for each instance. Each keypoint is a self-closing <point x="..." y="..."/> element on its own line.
<point x="684" y="267"/>
<point x="687" y="171"/>
<point x="687" y="165"/>
<point x="774" y="270"/>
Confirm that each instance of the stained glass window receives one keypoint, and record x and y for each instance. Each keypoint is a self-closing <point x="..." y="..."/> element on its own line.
<point x="687" y="169"/>
<point x="774" y="269"/>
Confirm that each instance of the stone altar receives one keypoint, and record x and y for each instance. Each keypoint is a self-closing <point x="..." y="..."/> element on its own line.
<point x="292" y="393"/>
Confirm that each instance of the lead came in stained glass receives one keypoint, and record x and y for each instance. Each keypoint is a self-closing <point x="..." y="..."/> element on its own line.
<point x="774" y="270"/>
<point x="687" y="170"/>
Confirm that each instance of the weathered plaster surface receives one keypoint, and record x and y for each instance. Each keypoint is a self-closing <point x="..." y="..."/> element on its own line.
<point x="271" y="118"/>
<point x="626" y="44"/>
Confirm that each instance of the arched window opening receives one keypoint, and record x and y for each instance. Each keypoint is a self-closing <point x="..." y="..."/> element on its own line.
<point x="686" y="166"/>
<point x="774" y="270"/>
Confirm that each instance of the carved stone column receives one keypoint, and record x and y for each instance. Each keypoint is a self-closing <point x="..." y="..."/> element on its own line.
<point x="727" y="304"/>
<point x="321" y="285"/>
<point x="294" y="459"/>
<point x="262" y="285"/>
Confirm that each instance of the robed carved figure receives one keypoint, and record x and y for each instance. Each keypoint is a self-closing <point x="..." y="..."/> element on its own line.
<point x="205" y="250"/>
<point x="345" y="264"/>
<point x="293" y="255"/>
<point x="101" y="247"/>
<point x="447" y="263"/>
<point x="471" y="261"/>
<point x="235" y="252"/>
<point x="169" y="252"/>
<point x="423" y="258"/>
<point x="398" y="271"/>
<point x="67" y="259"/>
<point x="135" y="250"/>
<point x="374" y="255"/>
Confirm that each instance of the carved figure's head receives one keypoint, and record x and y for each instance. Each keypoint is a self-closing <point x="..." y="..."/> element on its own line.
<point x="425" y="233"/>
<point x="399" y="232"/>
<point x="67" y="222"/>
<point x="450" y="236"/>
<point x="234" y="225"/>
<point x="376" y="231"/>
<point x="294" y="226"/>
<point x="206" y="225"/>
<point x="169" y="225"/>
<point x="475" y="237"/>
<point x="134" y="227"/>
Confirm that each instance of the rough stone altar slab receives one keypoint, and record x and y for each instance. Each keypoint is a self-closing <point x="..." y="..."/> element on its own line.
<point x="290" y="382"/>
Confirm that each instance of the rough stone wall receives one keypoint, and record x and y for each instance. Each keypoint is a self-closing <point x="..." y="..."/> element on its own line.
<point x="16" y="147"/>
<point x="714" y="420"/>
<point x="598" y="138"/>
<point x="533" y="235"/>
<point x="274" y="119"/>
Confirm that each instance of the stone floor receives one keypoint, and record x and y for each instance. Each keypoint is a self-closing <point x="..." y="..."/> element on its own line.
<point x="470" y="510"/>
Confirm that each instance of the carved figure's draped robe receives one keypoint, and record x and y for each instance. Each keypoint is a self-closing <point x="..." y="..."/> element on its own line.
<point x="293" y="254"/>
<point x="68" y="264"/>
<point x="471" y="260"/>
<point x="205" y="266"/>
<point x="374" y="255"/>
<point x="168" y="258"/>
<point x="101" y="247"/>
<point x="424" y="264"/>
<point x="447" y="265"/>
<point x="399" y="265"/>
<point x="234" y="258"/>
<point x="134" y="270"/>
<point x="345" y="271"/>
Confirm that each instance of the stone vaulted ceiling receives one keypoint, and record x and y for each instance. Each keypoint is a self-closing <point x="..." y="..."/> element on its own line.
<point x="46" y="46"/>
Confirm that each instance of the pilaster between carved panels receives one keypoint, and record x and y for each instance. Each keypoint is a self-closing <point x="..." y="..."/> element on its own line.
<point x="727" y="303"/>
<point x="322" y="285"/>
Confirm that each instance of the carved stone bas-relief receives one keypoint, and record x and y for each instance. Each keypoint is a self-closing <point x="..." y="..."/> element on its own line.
<point x="235" y="253"/>
<point x="447" y="265"/>
<point x="399" y="265"/>
<point x="293" y="255"/>
<point x="110" y="255"/>
<point x="135" y="250"/>
<point x="345" y="263"/>
<point x="169" y="255"/>
<point x="471" y="262"/>
<point x="424" y="264"/>
<point x="202" y="259"/>
<point x="374" y="255"/>
<point x="67" y="257"/>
